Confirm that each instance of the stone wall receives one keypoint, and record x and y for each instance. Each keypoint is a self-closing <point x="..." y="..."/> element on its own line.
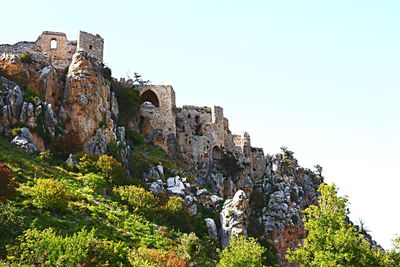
<point x="158" y="114"/>
<point x="91" y="44"/>
<point x="55" y="46"/>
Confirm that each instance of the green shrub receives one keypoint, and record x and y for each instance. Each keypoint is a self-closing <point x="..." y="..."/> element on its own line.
<point x="134" y="137"/>
<point x="10" y="224"/>
<point x="111" y="169"/>
<point x="26" y="57"/>
<point x="45" y="155"/>
<point x="138" y="199"/>
<point x="88" y="164"/>
<point x="196" y="251"/>
<point x="62" y="146"/>
<point x="93" y="181"/>
<point x="128" y="102"/>
<point x="176" y="214"/>
<point x="108" y="253"/>
<point x="143" y="257"/>
<point x="48" y="193"/>
<point x="30" y="95"/>
<point x="8" y="184"/>
<point x="44" y="248"/>
<point x="241" y="252"/>
<point x="230" y="164"/>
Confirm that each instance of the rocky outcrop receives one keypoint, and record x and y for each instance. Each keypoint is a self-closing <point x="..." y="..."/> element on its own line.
<point x="279" y="198"/>
<point x="234" y="217"/>
<point x="87" y="97"/>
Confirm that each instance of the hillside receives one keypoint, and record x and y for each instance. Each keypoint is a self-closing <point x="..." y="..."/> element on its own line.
<point x="104" y="172"/>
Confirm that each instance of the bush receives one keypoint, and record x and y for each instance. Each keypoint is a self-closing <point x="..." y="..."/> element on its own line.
<point x="128" y="102"/>
<point x="175" y="213"/>
<point x="30" y="95"/>
<point x="138" y="199"/>
<point x="62" y="146"/>
<point x="112" y="169"/>
<point x="196" y="251"/>
<point x="87" y="164"/>
<point x="241" y="252"/>
<point x="8" y="184"/>
<point x="143" y="257"/>
<point x="230" y="164"/>
<point x="108" y="253"/>
<point x="134" y="137"/>
<point x="44" y="248"/>
<point x="26" y="57"/>
<point x="48" y="193"/>
<point x="93" y="181"/>
<point x="10" y="224"/>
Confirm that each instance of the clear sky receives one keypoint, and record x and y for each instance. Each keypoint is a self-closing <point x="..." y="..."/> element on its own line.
<point x="320" y="77"/>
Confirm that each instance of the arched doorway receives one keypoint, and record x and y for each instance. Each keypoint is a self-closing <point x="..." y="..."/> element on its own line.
<point x="149" y="97"/>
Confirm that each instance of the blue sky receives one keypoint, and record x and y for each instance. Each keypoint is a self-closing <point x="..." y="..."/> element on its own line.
<point x="320" y="77"/>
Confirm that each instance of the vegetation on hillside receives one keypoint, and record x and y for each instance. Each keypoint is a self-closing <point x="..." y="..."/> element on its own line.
<point x="331" y="239"/>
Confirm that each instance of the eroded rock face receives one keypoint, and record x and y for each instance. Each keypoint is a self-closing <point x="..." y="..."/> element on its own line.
<point x="285" y="190"/>
<point x="234" y="217"/>
<point x="87" y="96"/>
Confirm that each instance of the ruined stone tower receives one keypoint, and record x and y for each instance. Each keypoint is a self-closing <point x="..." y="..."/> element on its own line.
<point x="60" y="50"/>
<point x="91" y="44"/>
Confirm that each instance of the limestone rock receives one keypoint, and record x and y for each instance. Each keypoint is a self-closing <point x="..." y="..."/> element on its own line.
<point x="21" y="142"/>
<point x="234" y="216"/>
<point x="211" y="228"/>
<point x="87" y="96"/>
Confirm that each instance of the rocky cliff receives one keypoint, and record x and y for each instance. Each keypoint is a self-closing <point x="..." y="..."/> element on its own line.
<point x="246" y="192"/>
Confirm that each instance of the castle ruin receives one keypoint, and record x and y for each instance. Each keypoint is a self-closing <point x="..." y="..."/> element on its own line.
<point x="60" y="50"/>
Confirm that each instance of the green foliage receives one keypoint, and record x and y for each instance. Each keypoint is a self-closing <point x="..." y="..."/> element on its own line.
<point x="26" y="57"/>
<point x="106" y="71"/>
<point x="128" y="102"/>
<point x="108" y="253"/>
<point x="230" y="164"/>
<point x="8" y="184"/>
<point x="143" y="257"/>
<point x="331" y="241"/>
<point x="394" y="254"/>
<point x="88" y="164"/>
<point x="134" y="137"/>
<point x="93" y="181"/>
<point x="45" y="248"/>
<point x="176" y="213"/>
<point x="48" y="193"/>
<point x="111" y="169"/>
<point x="30" y="95"/>
<point x="105" y="165"/>
<point x="138" y="199"/>
<point x="64" y="145"/>
<point x="241" y="252"/>
<point x="195" y="250"/>
<point x="11" y="222"/>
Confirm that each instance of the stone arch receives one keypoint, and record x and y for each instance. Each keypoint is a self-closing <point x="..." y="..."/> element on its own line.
<point x="149" y="96"/>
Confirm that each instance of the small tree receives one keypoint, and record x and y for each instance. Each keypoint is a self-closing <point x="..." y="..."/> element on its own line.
<point x="331" y="240"/>
<point x="394" y="254"/>
<point x="241" y="252"/>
